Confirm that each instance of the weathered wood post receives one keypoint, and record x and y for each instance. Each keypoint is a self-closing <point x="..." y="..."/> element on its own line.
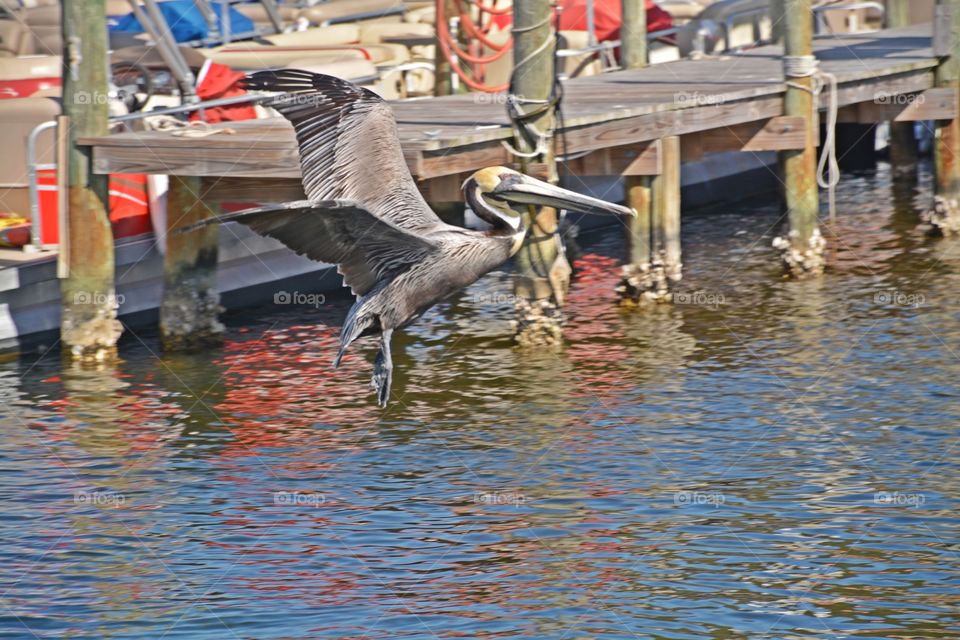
<point x="666" y="219"/>
<point x="776" y="21"/>
<point x="633" y="34"/>
<point x="191" y="302"/>
<point x="903" y="142"/>
<point x="637" y="284"/>
<point x="543" y="271"/>
<point x="89" y="328"/>
<point x="802" y="250"/>
<point x="443" y="72"/>
<point x="945" y="216"/>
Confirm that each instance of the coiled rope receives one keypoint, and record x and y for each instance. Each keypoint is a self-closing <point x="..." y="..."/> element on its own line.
<point x="523" y="111"/>
<point x="828" y="170"/>
<point x="476" y="30"/>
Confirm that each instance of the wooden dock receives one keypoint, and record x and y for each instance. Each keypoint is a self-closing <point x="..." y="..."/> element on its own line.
<point x="612" y="123"/>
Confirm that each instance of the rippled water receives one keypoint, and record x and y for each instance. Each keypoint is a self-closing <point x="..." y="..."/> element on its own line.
<point x="774" y="459"/>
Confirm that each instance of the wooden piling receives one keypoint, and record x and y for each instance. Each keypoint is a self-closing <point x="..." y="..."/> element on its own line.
<point x="443" y="71"/>
<point x="903" y="142"/>
<point x="633" y="34"/>
<point x="634" y="286"/>
<point x="89" y="328"/>
<point x="191" y="302"/>
<point x="945" y="216"/>
<point x="543" y="273"/>
<point x="666" y="218"/>
<point x="802" y="250"/>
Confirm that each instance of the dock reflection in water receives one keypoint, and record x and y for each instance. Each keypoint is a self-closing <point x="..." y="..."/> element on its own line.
<point x="765" y="459"/>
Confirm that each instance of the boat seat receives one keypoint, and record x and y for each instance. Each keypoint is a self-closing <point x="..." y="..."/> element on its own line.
<point x="19" y="117"/>
<point x="683" y="10"/>
<point x="259" y="15"/>
<point x="30" y="67"/>
<point x="149" y="56"/>
<point x="15" y="40"/>
<point x="352" y="70"/>
<point x="28" y="76"/>
<point x="353" y="10"/>
<point x="251" y="56"/>
<point x="44" y="23"/>
<point x="322" y="36"/>
<point x="375" y="32"/>
<point x="425" y="15"/>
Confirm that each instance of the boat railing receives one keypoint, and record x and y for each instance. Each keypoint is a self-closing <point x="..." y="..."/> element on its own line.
<point x="33" y="177"/>
<point x="734" y="18"/>
<point x="820" y="13"/>
<point x="605" y="49"/>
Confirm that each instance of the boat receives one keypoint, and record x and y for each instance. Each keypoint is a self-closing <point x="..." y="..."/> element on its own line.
<point x="386" y="45"/>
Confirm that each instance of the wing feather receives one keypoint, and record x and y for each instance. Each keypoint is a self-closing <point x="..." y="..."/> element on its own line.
<point x="366" y="249"/>
<point x="349" y="148"/>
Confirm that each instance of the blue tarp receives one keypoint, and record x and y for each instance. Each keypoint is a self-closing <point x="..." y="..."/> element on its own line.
<point x="186" y="21"/>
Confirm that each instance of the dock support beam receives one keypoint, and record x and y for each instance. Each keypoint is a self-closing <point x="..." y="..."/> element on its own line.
<point x="945" y="216"/>
<point x="89" y="328"/>
<point x="190" y="304"/>
<point x="802" y="249"/>
<point x="543" y="271"/>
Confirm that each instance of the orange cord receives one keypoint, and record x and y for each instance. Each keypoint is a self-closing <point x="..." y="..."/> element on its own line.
<point x="451" y="49"/>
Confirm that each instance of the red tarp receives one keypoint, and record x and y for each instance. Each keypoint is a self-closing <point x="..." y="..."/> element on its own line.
<point x="220" y="81"/>
<point x="606" y="17"/>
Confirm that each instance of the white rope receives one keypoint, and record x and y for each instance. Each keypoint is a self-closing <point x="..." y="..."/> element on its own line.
<point x="543" y="139"/>
<point x="828" y="156"/>
<point x="181" y="129"/>
<point x="828" y="170"/>
<point x="800" y="66"/>
<point x="514" y="102"/>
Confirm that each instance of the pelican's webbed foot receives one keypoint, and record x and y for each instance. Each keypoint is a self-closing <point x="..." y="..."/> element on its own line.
<point x="383" y="369"/>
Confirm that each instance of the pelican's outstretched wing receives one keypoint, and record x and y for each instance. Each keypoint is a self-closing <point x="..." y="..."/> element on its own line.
<point x="366" y="249"/>
<point x="349" y="149"/>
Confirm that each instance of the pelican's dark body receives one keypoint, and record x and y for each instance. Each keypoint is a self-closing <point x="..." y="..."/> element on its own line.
<point x="464" y="257"/>
<point x="365" y="214"/>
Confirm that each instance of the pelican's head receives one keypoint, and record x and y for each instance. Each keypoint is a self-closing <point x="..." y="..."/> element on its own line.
<point x="497" y="194"/>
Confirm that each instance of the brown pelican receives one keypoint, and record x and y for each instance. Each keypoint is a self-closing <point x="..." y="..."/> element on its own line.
<point x="364" y="213"/>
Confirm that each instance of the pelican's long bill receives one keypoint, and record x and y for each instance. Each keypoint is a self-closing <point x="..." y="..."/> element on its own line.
<point x="526" y="190"/>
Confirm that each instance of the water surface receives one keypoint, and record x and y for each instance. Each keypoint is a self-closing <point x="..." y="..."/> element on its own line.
<point x="769" y="459"/>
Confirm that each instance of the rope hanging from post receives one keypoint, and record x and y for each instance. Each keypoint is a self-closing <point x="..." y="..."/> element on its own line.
<point x="828" y="169"/>
<point x="476" y="30"/>
<point x="522" y="118"/>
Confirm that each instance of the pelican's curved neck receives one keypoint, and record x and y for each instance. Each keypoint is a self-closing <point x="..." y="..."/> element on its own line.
<point x="501" y="220"/>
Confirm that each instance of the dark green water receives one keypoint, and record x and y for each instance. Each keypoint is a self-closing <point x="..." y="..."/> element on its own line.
<point x="771" y="459"/>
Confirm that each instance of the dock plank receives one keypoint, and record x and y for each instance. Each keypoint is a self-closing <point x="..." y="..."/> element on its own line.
<point x="455" y="134"/>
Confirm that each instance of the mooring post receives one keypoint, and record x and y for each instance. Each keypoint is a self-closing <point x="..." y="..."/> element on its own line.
<point x="945" y="216"/>
<point x="191" y="302"/>
<point x="543" y="271"/>
<point x="802" y="250"/>
<point x="89" y="328"/>
<point x="666" y="218"/>
<point x="443" y="71"/>
<point x="776" y="21"/>
<point x="636" y="285"/>
<point x="633" y="34"/>
<point x="903" y="142"/>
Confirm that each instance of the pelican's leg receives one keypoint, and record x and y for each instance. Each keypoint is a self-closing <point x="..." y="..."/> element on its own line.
<point x="383" y="369"/>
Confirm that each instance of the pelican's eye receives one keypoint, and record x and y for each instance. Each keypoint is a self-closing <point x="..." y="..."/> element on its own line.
<point x="508" y="181"/>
